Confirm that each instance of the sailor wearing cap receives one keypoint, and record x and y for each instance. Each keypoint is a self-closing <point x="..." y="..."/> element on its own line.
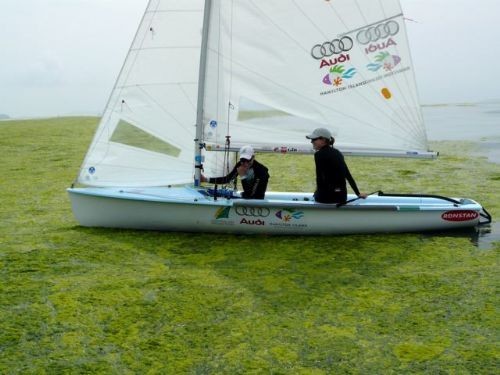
<point x="331" y="170"/>
<point x="254" y="176"/>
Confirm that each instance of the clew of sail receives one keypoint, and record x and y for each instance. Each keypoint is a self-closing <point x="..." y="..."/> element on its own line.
<point x="278" y="69"/>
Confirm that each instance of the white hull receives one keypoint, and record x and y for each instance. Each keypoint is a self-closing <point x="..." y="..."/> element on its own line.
<point x="187" y="210"/>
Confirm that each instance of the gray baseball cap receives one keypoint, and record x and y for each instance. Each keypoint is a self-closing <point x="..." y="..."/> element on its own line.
<point x="320" y="133"/>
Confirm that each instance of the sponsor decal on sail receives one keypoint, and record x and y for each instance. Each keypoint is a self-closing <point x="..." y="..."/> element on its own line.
<point x="337" y="75"/>
<point x="385" y="60"/>
<point x="337" y="60"/>
<point x="380" y="46"/>
<point x="375" y="33"/>
<point x="331" y="48"/>
<point x="460" y="215"/>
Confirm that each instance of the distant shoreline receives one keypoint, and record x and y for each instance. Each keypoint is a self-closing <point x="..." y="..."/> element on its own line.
<point x="249" y="109"/>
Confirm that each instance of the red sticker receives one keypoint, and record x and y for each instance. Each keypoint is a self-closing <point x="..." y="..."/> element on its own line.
<point x="460" y="215"/>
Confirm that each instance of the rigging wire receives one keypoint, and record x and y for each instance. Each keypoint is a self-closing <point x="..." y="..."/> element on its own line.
<point x="230" y="107"/>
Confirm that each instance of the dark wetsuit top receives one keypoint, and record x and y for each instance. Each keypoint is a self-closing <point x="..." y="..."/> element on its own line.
<point x="255" y="183"/>
<point x="331" y="175"/>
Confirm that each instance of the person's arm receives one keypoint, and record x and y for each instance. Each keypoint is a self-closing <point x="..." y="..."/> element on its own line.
<point x="224" y="179"/>
<point x="351" y="181"/>
<point x="348" y="176"/>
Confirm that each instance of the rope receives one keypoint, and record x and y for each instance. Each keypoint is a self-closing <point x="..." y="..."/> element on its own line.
<point x="355" y="199"/>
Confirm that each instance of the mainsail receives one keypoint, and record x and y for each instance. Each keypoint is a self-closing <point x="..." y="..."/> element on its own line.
<point x="278" y="69"/>
<point x="274" y="71"/>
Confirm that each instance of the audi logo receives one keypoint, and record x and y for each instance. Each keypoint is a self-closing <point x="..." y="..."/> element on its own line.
<point x="381" y="31"/>
<point x="253" y="211"/>
<point x="333" y="47"/>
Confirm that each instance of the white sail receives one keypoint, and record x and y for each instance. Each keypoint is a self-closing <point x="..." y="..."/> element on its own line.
<point x="345" y="66"/>
<point x="275" y="70"/>
<point x="146" y="134"/>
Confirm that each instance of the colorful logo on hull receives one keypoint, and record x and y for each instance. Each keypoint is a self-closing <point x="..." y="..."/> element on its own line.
<point x="289" y="214"/>
<point x="222" y="213"/>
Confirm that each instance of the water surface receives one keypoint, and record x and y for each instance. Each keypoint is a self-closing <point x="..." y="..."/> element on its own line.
<point x="479" y="123"/>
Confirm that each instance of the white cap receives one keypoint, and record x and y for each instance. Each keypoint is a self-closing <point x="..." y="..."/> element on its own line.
<point x="246" y="152"/>
<point x="320" y="133"/>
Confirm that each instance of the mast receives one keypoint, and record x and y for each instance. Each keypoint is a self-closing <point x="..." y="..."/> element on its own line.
<point x="198" y="145"/>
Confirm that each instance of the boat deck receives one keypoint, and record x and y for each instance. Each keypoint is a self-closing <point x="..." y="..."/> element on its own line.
<point x="190" y="195"/>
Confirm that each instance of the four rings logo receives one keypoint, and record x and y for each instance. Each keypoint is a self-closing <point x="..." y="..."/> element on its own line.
<point x="381" y="31"/>
<point x="333" y="47"/>
<point x="252" y="211"/>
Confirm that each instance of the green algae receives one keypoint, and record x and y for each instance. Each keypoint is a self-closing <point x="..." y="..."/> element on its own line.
<point x="80" y="300"/>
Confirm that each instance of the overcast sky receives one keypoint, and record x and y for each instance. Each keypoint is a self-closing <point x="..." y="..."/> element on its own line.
<point x="61" y="57"/>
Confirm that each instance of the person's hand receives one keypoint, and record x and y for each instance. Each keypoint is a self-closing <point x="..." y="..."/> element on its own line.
<point x="362" y="195"/>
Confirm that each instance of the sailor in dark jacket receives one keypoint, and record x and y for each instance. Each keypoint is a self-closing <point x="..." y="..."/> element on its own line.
<point x="331" y="170"/>
<point x="253" y="175"/>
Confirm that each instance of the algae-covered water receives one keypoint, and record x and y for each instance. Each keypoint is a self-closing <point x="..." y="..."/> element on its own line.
<point x="79" y="300"/>
<point x="479" y="124"/>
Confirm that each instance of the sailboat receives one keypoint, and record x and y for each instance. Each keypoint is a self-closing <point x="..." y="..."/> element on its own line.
<point x="204" y="77"/>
